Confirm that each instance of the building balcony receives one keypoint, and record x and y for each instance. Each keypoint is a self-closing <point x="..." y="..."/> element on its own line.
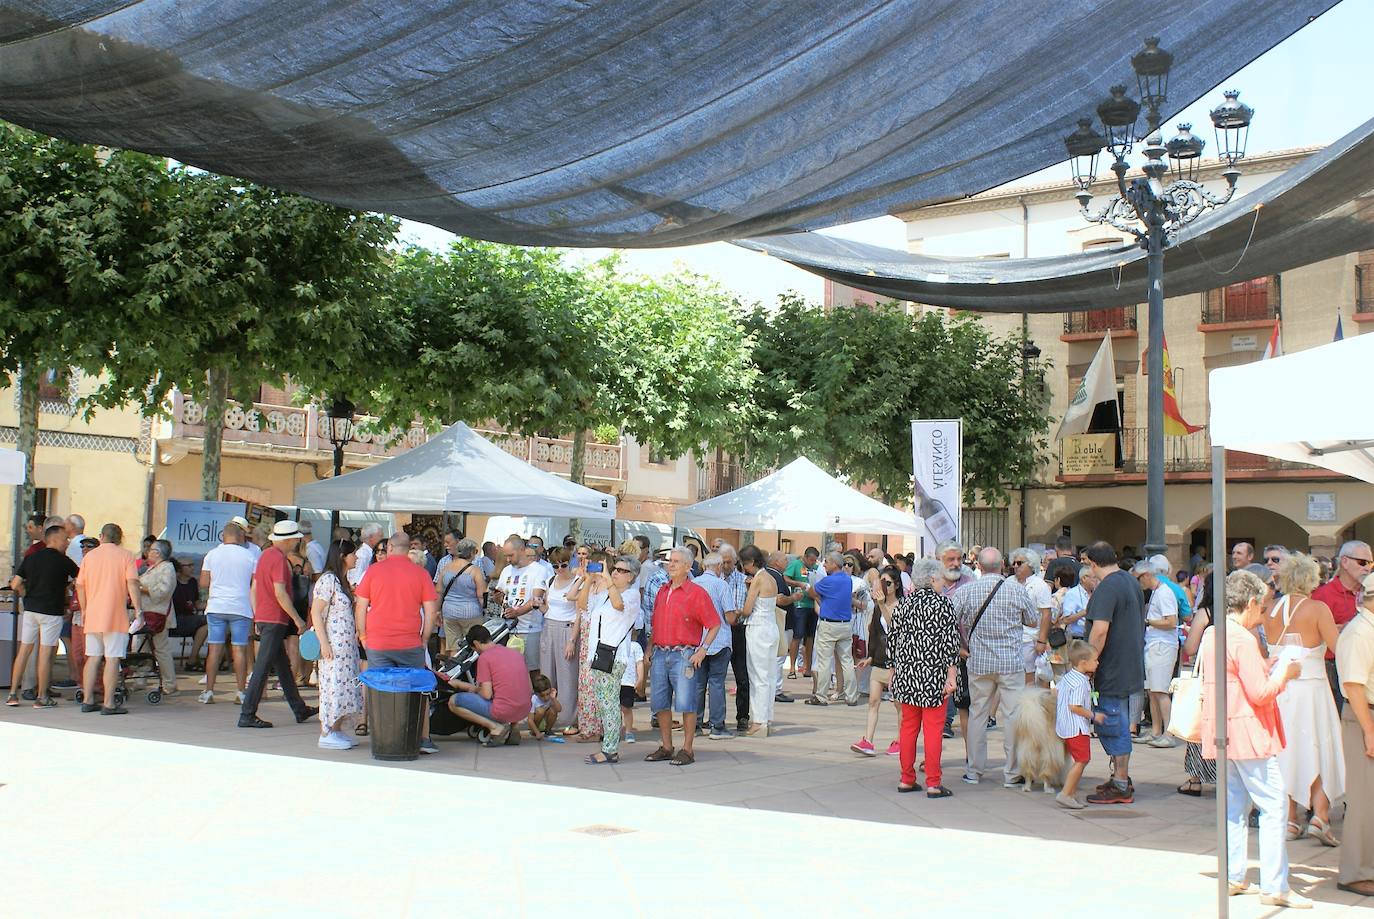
<point x="1249" y="304"/>
<point x="1120" y="457"/>
<point x="287" y="429"/>
<point x="302" y="433"/>
<point x="1089" y="324"/>
<point x="604" y="462"/>
<point x="716" y="478"/>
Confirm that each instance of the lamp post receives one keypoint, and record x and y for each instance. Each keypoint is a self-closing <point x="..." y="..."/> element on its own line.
<point x="1154" y="213"/>
<point x="1029" y="352"/>
<point x="340" y="433"/>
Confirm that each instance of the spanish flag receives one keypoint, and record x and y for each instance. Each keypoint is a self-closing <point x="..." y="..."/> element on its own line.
<point x="1174" y="425"/>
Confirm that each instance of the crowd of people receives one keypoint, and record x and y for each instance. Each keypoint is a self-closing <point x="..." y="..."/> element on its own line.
<point x="1096" y="640"/>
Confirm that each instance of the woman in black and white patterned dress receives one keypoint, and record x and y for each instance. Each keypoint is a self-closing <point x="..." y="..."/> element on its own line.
<point x="923" y="646"/>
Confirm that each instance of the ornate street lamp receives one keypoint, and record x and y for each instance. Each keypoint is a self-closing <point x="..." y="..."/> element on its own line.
<point x="340" y="433"/>
<point x="1154" y="213"/>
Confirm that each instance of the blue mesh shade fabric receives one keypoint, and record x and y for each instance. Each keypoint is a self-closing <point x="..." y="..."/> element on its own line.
<point x="612" y="123"/>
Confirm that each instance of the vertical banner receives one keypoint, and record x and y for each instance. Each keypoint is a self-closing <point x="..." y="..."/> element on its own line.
<point x="194" y="527"/>
<point x="937" y="476"/>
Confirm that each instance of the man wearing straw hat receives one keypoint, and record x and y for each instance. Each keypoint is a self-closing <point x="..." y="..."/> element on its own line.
<point x="273" y="612"/>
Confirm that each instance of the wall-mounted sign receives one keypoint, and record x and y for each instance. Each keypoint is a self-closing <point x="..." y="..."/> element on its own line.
<point x="1090" y="454"/>
<point x="1321" y="506"/>
<point x="1245" y="343"/>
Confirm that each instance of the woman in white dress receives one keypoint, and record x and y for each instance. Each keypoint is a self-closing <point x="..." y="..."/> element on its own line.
<point x="761" y="635"/>
<point x="1313" y="761"/>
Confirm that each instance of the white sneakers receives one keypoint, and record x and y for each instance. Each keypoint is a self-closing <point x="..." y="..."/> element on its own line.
<point x="335" y="740"/>
<point x="206" y="698"/>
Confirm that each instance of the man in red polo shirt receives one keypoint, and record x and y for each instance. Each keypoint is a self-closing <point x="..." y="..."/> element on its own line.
<point x="685" y="622"/>
<point x="274" y="614"/>
<point x="396" y="612"/>
<point x="1342" y="593"/>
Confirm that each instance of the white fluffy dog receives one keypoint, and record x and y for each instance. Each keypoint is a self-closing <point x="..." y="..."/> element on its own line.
<point x="1039" y="750"/>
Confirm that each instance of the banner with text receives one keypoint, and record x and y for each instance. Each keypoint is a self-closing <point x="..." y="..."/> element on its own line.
<point x="1089" y="454"/>
<point x="937" y="474"/>
<point x="194" y="527"/>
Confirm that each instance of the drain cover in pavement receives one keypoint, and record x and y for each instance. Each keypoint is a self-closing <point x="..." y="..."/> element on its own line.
<point x="602" y="829"/>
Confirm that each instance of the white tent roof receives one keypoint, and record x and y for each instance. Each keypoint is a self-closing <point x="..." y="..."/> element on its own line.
<point x="1293" y="407"/>
<point x="460" y="470"/>
<point x="11" y="467"/>
<point x="799" y="496"/>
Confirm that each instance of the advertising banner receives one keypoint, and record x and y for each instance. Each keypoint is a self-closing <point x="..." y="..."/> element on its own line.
<point x="194" y="527"/>
<point x="937" y="474"/>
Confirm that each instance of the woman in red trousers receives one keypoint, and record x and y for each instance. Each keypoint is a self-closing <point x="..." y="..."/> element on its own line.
<point x="923" y="646"/>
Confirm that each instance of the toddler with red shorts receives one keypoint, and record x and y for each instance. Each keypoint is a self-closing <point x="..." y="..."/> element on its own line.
<point x="1073" y="711"/>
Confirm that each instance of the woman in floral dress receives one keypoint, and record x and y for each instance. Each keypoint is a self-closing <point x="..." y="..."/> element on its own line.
<point x="588" y="715"/>
<point x="331" y="615"/>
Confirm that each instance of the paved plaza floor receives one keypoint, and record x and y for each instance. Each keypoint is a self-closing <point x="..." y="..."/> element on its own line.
<point x="174" y="811"/>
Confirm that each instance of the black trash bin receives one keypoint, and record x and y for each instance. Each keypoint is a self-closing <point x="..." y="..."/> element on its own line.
<point x="396" y="699"/>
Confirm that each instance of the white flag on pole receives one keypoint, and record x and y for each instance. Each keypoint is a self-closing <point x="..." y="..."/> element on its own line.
<point x="1098" y="385"/>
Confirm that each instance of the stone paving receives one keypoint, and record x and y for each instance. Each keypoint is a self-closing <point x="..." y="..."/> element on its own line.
<point x="805" y="770"/>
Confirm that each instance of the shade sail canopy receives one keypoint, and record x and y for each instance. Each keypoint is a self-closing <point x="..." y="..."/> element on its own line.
<point x="1304" y="419"/>
<point x="610" y="123"/>
<point x="799" y="496"/>
<point x="11" y="467"/>
<point x="1321" y="208"/>
<point x="460" y="470"/>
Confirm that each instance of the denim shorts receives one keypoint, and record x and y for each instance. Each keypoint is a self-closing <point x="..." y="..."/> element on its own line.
<point x="411" y="658"/>
<point x="471" y="702"/>
<point x="238" y="628"/>
<point x="1115" y="731"/>
<point x="669" y="687"/>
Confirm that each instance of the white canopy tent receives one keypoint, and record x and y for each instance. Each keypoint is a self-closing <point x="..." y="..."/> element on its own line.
<point x="799" y="496"/>
<point x="11" y="467"/>
<point x="1303" y="420"/>
<point x="460" y="470"/>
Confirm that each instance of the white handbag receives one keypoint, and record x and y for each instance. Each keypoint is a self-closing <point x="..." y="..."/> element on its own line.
<point x="1185" y="716"/>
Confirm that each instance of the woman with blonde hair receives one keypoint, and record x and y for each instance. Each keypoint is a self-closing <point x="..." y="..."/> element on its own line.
<point x="1254" y="739"/>
<point x="1313" y="761"/>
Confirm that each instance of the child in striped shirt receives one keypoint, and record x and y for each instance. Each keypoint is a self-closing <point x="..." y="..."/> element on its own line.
<point x="1073" y="710"/>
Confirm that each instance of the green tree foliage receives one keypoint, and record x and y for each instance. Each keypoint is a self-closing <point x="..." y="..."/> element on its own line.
<point x="842" y="387"/>
<point x="243" y="285"/>
<point x="74" y="221"/>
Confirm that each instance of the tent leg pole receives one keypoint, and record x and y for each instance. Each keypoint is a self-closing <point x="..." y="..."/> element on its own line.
<point x="1218" y="614"/>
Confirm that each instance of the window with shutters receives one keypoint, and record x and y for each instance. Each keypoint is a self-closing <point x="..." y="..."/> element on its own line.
<point x="1256" y="300"/>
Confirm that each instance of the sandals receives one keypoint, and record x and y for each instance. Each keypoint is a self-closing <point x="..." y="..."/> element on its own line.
<point x="602" y="759"/>
<point x="1294" y="830"/>
<point x="1323" y="835"/>
<point x="571" y="730"/>
<point x="1192" y="788"/>
<point x="682" y="758"/>
<point x="816" y="700"/>
<point x="361" y="730"/>
<point x="907" y="789"/>
<point x="792" y="675"/>
<point x="659" y="755"/>
<point x="939" y="792"/>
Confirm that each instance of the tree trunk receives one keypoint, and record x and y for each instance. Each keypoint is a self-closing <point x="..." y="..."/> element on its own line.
<point x="217" y="396"/>
<point x="577" y="472"/>
<point x="27" y="444"/>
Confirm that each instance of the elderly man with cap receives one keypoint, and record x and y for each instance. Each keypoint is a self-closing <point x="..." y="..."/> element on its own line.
<point x="274" y="612"/>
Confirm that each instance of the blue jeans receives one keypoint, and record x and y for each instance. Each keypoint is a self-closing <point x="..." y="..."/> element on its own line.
<point x="669" y="685"/>
<point x="1115" y="732"/>
<point x="712" y="680"/>
<point x="471" y="702"/>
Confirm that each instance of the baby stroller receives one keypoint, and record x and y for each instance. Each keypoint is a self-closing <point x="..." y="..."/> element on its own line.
<point x="140" y="663"/>
<point x="461" y="664"/>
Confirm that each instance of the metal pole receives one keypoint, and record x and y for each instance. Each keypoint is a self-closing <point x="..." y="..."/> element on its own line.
<point x="1218" y="663"/>
<point x="338" y="470"/>
<point x="1154" y="471"/>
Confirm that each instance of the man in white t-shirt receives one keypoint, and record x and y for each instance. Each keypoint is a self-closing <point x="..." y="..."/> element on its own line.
<point x="371" y="535"/>
<point x="226" y="577"/>
<point x="76" y="528"/>
<point x="314" y="552"/>
<point x="1025" y="567"/>
<point x="1161" y="649"/>
<point x="522" y="586"/>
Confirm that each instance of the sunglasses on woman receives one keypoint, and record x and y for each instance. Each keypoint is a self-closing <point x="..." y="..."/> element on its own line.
<point x="622" y="571"/>
<point x="561" y="565"/>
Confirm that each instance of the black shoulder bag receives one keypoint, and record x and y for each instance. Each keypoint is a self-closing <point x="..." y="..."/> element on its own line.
<point x="604" y="658"/>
